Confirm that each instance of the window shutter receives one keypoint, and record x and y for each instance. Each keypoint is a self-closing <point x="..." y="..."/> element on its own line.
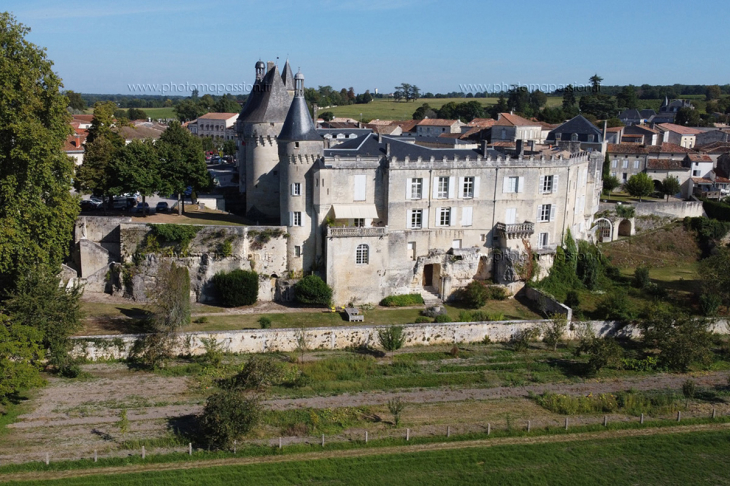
<point x="409" y="218"/>
<point x="437" y="217"/>
<point x="460" y="188"/>
<point x="466" y="216"/>
<point x="424" y="219"/>
<point x="555" y="183"/>
<point x="291" y="218"/>
<point x="552" y="212"/>
<point x="521" y="184"/>
<point x="424" y="188"/>
<point x="505" y="185"/>
<point x="452" y="216"/>
<point x="510" y="216"/>
<point x="452" y="187"/>
<point x="409" y="188"/>
<point x="539" y="213"/>
<point x="476" y="187"/>
<point x="542" y="184"/>
<point x="360" y="188"/>
<point x="435" y="187"/>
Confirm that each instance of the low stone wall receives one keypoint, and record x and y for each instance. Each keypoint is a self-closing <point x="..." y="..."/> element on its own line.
<point x="675" y="209"/>
<point x="547" y="303"/>
<point x="334" y="338"/>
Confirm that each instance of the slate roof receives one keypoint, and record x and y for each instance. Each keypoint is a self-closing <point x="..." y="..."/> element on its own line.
<point x="368" y="145"/>
<point x="287" y="77"/>
<point x="632" y="114"/>
<point x="580" y="125"/>
<point x="298" y="124"/>
<point x="648" y="113"/>
<point x="268" y="101"/>
<point x="665" y="164"/>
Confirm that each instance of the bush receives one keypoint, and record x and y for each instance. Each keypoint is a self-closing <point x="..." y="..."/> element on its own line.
<point x="228" y="414"/>
<point x="237" y="288"/>
<point x="553" y="332"/>
<point x="689" y="388"/>
<point x="264" y="322"/>
<point x="710" y="304"/>
<point x="641" y="277"/>
<point x="402" y="300"/>
<point x="601" y="352"/>
<point x="256" y="374"/>
<point x="440" y="319"/>
<point x="312" y="290"/>
<point x="572" y="299"/>
<point x="521" y="339"/>
<point x="391" y="338"/>
<point x="396" y="407"/>
<point x="475" y="294"/>
<point x="497" y="293"/>
<point x="201" y="320"/>
<point x="616" y="306"/>
<point x="422" y="319"/>
<point x="680" y="339"/>
<point x="213" y="352"/>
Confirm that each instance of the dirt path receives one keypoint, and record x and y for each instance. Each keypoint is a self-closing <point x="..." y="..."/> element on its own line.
<point x="353" y="453"/>
<point x="656" y="382"/>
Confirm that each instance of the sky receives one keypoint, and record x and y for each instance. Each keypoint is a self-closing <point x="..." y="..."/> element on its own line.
<point x="104" y="47"/>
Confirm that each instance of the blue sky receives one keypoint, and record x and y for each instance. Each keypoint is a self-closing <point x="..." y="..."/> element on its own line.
<point x="102" y="46"/>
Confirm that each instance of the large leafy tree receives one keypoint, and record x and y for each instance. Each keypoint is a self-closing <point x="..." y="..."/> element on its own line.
<point x="569" y="97"/>
<point x="182" y="163"/>
<point x="639" y="185"/>
<point x="670" y="186"/>
<point x="37" y="209"/>
<point x="627" y="98"/>
<point x="20" y="353"/>
<point x="135" y="169"/>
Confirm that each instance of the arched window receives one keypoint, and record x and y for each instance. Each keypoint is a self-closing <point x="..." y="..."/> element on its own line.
<point x="362" y="256"/>
<point x="574" y="137"/>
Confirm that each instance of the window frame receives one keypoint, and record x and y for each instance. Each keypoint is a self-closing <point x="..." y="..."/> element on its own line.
<point x="362" y="254"/>
<point x="444" y="215"/>
<point x="416" y="213"/>
<point x="545" y="213"/>
<point x="417" y="188"/>
<point x="443" y="182"/>
<point x="468" y="183"/>
<point x="297" y="218"/>
<point x="547" y="184"/>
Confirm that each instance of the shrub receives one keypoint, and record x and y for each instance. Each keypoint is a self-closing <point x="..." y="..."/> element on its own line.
<point x="616" y="306"/>
<point x="264" y="322"/>
<point x="572" y="299"/>
<point x="434" y="311"/>
<point x="521" y="339"/>
<point x="649" y="363"/>
<point x="625" y="211"/>
<point x="601" y="352"/>
<point x="497" y="293"/>
<point x="391" y="338"/>
<point x="312" y="290"/>
<point x="237" y="288"/>
<point x="710" y="304"/>
<point x="689" y="388"/>
<point x="201" y="320"/>
<point x="641" y="277"/>
<point x="402" y="300"/>
<point x="256" y="374"/>
<point x="475" y="294"/>
<point x="680" y="339"/>
<point x="553" y="332"/>
<point x="228" y="414"/>
<point x="443" y="318"/>
<point x="396" y="407"/>
<point x="422" y="319"/>
<point x="213" y="352"/>
<point x="465" y="316"/>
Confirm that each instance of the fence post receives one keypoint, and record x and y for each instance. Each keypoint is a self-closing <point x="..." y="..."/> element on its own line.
<point x="366" y="436"/>
<point x="605" y="421"/>
<point x="142" y="452"/>
<point x="448" y="431"/>
<point x="235" y="443"/>
<point x="280" y="444"/>
<point x="489" y="429"/>
<point x="95" y="456"/>
<point x="408" y="434"/>
<point x="641" y="420"/>
<point x="190" y="448"/>
<point x="713" y="413"/>
<point x="528" y="426"/>
<point x="566" y="423"/>
<point x="679" y="415"/>
<point x="322" y="440"/>
<point x="48" y="458"/>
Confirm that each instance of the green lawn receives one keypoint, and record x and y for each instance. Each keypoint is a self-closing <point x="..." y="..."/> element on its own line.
<point x="623" y="197"/>
<point x="672" y="459"/>
<point x="156" y="113"/>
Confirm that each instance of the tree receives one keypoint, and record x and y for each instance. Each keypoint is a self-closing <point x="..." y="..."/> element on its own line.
<point x="414" y="93"/>
<point x="135" y="169"/>
<point x="610" y="183"/>
<point x="639" y="185"/>
<point x="599" y="105"/>
<point x="136" y="114"/>
<point x="424" y="111"/>
<point x="538" y="99"/>
<point x="327" y="115"/>
<point x="553" y="331"/>
<point x="627" y="98"/>
<point x="38" y="211"/>
<point x="687" y="117"/>
<point x="596" y="82"/>
<point x="226" y="104"/>
<point x="75" y="101"/>
<point x="312" y="290"/>
<point x="170" y="300"/>
<point x="715" y="271"/>
<point x="182" y="163"/>
<point x="519" y="100"/>
<point x="227" y="415"/>
<point x="391" y="338"/>
<point x="20" y="355"/>
<point x="501" y="106"/>
<point x="670" y="186"/>
<point x="680" y="339"/>
<point x="42" y="303"/>
<point x="237" y="287"/>
<point x="190" y="109"/>
<point x="395" y="407"/>
<point x="601" y="352"/>
<point x="713" y="92"/>
<point x="258" y="374"/>
<point x="123" y="423"/>
<point x="229" y="147"/>
<point x="569" y="97"/>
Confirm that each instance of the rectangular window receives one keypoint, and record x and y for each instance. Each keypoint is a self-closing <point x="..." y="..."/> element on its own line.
<point x="296" y="189"/>
<point x="443" y="188"/>
<point x="412" y="250"/>
<point x="547" y="184"/>
<point x="544" y="213"/>
<point x="444" y="216"/>
<point x="296" y="218"/>
<point x="542" y="240"/>
<point x="360" y="187"/>
<point x="362" y="256"/>
<point x="416" y="219"/>
<point x="456" y="244"/>
<point x="636" y="164"/>
<point x="297" y="251"/>
<point x="511" y="184"/>
<point x="625" y="177"/>
<point x="358" y="222"/>
<point x="416" y="188"/>
<point x="510" y="216"/>
<point x="625" y="164"/>
<point x="613" y="163"/>
<point x="467" y="189"/>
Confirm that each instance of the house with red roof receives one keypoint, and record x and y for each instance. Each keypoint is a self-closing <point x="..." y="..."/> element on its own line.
<point x="510" y="127"/>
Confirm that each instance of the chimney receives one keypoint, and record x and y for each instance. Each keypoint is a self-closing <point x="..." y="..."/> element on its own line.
<point x="484" y="148"/>
<point x="380" y="137"/>
<point x="519" y="150"/>
<point x="387" y="149"/>
<point x="605" y="124"/>
<point x="78" y="141"/>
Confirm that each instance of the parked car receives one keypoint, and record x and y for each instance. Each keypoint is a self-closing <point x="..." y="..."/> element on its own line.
<point x="162" y="207"/>
<point x="143" y="208"/>
<point x="88" y="205"/>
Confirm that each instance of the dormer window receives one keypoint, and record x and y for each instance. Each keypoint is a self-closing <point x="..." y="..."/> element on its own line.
<point x="574" y="137"/>
<point x="591" y="137"/>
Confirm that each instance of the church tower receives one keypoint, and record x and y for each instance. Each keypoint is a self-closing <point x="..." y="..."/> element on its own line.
<point x="300" y="148"/>
<point x="258" y="127"/>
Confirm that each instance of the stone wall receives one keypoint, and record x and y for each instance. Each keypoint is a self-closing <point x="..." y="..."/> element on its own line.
<point x="547" y="303"/>
<point x="334" y="338"/>
<point x="676" y="209"/>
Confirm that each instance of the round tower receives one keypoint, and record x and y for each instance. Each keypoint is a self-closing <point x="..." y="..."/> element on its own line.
<point x="300" y="147"/>
<point x="258" y="127"/>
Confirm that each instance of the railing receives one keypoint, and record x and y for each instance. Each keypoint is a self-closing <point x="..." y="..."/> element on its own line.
<point x="357" y="231"/>
<point x="520" y="230"/>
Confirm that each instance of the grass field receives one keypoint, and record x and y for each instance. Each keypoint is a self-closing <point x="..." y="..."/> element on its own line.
<point x="688" y="458"/>
<point x="156" y="113"/>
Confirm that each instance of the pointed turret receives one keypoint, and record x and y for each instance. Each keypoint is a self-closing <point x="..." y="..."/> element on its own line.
<point x="298" y="125"/>
<point x="288" y="78"/>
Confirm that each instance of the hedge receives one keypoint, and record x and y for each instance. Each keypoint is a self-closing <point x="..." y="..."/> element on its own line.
<point x="237" y="288"/>
<point x="402" y="300"/>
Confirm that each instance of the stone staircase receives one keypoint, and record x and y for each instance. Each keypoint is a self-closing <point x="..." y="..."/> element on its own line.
<point x="430" y="296"/>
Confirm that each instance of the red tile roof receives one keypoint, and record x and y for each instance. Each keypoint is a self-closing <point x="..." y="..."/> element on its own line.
<point x="217" y="116"/>
<point x="699" y="158"/>
<point x="510" y="120"/>
<point x="83" y="118"/>
<point x="668" y="148"/>
<point x="436" y="122"/>
<point x="406" y="125"/>
<point x="614" y="129"/>
<point x="482" y="122"/>
<point x="636" y="148"/>
<point x="665" y="164"/>
<point x="679" y="129"/>
<point x="75" y="142"/>
<point x="714" y="147"/>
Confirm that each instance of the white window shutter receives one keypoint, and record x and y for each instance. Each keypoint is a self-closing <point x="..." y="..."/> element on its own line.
<point x="466" y="216"/>
<point x="292" y="189"/>
<point x="409" y="218"/>
<point x="291" y="218"/>
<point x="476" y="187"/>
<point x="424" y="219"/>
<point x="424" y="188"/>
<point x="539" y="213"/>
<point x="505" y="185"/>
<point x="542" y="184"/>
<point x="360" y="188"/>
<point x="555" y="183"/>
<point x="552" y="212"/>
<point x="460" y="190"/>
<point x="521" y="184"/>
<point x="510" y="216"/>
<point x="409" y="188"/>
<point x="452" y="187"/>
<point x="435" y="187"/>
<point x="452" y="217"/>
<point x="437" y="217"/>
